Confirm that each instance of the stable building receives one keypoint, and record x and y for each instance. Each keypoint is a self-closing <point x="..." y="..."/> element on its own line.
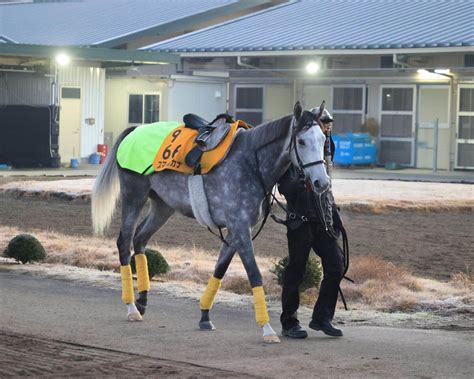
<point x="393" y="69"/>
<point x="78" y="61"/>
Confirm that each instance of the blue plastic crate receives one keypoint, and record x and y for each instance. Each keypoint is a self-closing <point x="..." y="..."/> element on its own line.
<point x="354" y="148"/>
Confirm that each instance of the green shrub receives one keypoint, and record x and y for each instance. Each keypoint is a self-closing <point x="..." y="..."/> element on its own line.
<point x="25" y="248"/>
<point x="156" y="263"/>
<point x="312" y="275"/>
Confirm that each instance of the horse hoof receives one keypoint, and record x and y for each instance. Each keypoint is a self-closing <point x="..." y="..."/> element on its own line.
<point x="206" y="325"/>
<point x="141" y="308"/>
<point x="271" y="338"/>
<point x="135" y="316"/>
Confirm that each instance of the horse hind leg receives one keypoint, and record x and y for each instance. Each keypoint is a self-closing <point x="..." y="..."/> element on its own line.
<point x="134" y="196"/>
<point x="157" y="216"/>
<point x="207" y="300"/>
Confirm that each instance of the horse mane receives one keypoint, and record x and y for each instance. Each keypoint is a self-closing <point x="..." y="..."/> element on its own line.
<point x="267" y="132"/>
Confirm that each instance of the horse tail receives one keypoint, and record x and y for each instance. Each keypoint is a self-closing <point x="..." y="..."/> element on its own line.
<point x="106" y="189"/>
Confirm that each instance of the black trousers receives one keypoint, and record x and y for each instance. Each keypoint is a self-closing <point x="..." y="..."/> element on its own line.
<point x="300" y="241"/>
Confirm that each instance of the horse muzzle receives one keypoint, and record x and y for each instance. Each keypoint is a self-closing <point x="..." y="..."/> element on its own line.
<point x="319" y="188"/>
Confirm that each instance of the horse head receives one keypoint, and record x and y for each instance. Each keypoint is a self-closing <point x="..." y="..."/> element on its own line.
<point x="307" y="147"/>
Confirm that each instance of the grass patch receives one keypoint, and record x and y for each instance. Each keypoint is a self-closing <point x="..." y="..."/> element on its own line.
<point x="378" y="284"/>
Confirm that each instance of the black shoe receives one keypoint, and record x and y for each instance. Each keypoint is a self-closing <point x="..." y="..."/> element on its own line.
<point x="326" y="327"/>
<point x="294" y="332"/>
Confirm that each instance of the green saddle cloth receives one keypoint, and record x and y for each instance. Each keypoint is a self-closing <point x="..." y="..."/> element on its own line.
<point x="138" y="149"/>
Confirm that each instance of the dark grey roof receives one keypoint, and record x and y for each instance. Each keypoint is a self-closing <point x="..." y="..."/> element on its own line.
<point x="338" y="24"/>
<point x="91" y="22"/>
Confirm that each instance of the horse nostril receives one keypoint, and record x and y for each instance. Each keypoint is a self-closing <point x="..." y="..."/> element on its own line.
<point x="316" y="184"/>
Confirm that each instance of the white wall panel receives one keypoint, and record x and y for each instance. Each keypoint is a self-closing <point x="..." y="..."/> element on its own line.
<point x="117" y="91"/>
<point x="91" y="80"/>
<point x="205" y="98"/>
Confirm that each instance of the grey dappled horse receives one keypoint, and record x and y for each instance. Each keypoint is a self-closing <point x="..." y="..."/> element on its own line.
<point x="235" y="190"/>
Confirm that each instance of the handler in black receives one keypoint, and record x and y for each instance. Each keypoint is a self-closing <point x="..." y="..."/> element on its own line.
<point x="306" y="229"/>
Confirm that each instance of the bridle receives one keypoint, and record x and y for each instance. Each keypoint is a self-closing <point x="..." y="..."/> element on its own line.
<point x="294" y="145"/>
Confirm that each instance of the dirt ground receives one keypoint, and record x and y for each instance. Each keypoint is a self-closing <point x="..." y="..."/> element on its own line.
<point x="430" y="244"/>
<point x="24" y="355"/>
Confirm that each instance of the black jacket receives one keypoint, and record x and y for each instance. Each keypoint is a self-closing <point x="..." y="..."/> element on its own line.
<point x="299" y="200"/>
<point x="302" y="202"/>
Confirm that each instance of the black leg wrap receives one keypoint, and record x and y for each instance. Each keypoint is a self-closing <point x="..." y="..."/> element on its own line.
<point x="140" y="303"/>
<point x="205" y="315"/>
<point x="205" y="323"/>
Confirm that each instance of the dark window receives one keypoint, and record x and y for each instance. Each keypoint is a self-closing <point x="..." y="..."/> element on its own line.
<point x="249" y="104"/>
<point x="347" y="122"/>
<point x="397" y="99"/>
<point x="349" y="98"/>
<point x="466" y="155"/>
<point x="143" y="109"/>
<point x="466" y="100"/>
<point x="394" y="125"/>
<point x="152" y="108"/>
<point x="469" y="60"/>
<point x="466" y="127"/>
<point x="70" y="93"/>
<point x="135" y="109"/>
<point x="386" y="61"/>
<point x="249" y="97"/>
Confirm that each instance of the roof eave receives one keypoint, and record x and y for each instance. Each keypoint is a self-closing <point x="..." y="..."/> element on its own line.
<point x="89" y="53"/>
<point x="282" y="52"/>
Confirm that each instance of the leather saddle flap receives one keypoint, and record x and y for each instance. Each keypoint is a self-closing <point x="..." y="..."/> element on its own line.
<point x="217" y="135"/>
<point x="194" y="121"/>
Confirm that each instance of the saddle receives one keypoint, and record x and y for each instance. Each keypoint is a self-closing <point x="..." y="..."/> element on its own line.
<point x="210" y="135"/>
<point x="180" y="152"/>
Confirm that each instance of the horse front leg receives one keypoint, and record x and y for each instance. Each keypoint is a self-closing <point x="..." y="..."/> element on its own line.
<point x="207" y="300"/>
<point x="243" y="243"/>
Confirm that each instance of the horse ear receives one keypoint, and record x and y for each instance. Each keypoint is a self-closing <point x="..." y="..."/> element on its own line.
<point x="321" y="110"/>
<point x="297" y="111"/>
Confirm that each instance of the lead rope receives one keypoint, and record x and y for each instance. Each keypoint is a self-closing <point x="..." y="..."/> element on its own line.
<point x="267" y="196"/>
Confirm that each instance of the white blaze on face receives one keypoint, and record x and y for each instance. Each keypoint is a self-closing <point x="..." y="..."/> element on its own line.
<point x="310" y="145"/>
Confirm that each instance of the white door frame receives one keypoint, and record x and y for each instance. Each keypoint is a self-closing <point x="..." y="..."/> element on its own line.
<point x="77" y="154"/>
<point x="458" y="114"/>
<point x="236" y="86"/>
<point x="412" y="113"/>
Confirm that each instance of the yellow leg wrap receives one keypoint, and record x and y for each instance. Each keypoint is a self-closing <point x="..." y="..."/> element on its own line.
<point x="209" y="294"/>
<point x="128" y="295"/>
<point x="143" y="280"/>
<point x="261" y="313"/>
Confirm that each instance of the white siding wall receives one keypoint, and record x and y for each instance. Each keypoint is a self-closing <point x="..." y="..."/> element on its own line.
<point x="200" y="96"/>
<point x="91" y="80"/>
<point x="117" y="91"/>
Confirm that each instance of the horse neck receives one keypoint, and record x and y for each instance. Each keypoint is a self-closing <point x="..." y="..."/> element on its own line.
<point x="269" y="144"/>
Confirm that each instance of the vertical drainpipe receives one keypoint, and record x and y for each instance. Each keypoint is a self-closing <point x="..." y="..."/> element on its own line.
<point x="227" y="97"/>
<point x="452" y="122"/>
<point x="417" y="125"/>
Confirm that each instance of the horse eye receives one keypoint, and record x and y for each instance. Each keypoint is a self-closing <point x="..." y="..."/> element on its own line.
<point x="301" y="142"/>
